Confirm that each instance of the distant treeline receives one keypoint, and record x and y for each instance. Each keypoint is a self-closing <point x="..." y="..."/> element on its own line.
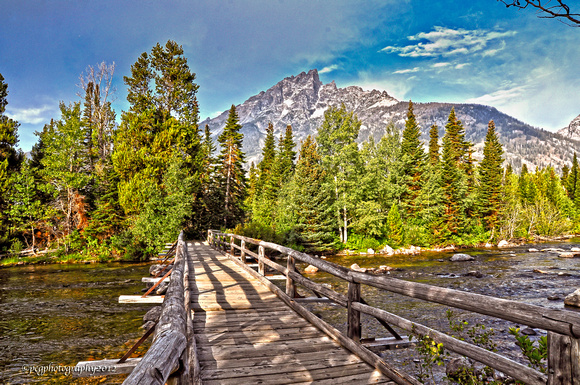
<point x="99" y="190"/>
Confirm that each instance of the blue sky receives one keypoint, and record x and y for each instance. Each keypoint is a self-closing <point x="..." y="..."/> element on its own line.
<point x="445" y="51"/>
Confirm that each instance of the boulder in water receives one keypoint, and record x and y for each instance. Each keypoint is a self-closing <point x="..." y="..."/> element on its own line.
<point x="311" y="269"/>
<point x="566" y="255"/>
<point x="356" y="267"/>
<point x="573" y="299"/>
<point x="503" y="243"/>
<point x="387" y="250"/>
<point x="461" y="258"/>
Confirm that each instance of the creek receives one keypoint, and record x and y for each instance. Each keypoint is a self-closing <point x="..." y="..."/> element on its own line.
<point x="61" y="314"/>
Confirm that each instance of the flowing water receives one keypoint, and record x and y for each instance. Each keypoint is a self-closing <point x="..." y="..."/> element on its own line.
<point x="53" y="316"/>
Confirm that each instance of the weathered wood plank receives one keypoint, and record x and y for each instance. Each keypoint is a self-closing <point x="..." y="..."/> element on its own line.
<point x="563" y="360"/>
<point x="505" y="365"/>
<point x="288" y="367"/>
<point x="368" y="356"/>
<point x="559" y="321"/>
<point x="168" y="352"/>
<point x="314" y="375"/>
<point x="139" y="299"/>
<point x="104" y="367"/>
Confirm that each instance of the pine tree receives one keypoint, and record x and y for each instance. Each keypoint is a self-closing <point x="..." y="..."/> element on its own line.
<point x="413" y="163"/>
<point x="340" y="157"/>
<point x="311" y="200"/>
<point x="572" y="179"/>
<point x="266" y="184"/>
<point x="523" y="182"/>
<point x="231" y="175"/>
<point x="25" y="206"/>
<point x="453" y="179"/>
<point x="434" y="144"/>
<point x="162" y="123"/>
<point x="490" y="178"/>
<point x="395" y="225"/>
<point x="10" y="158"/>
<point x="286" y="155"/>
<point x="65" y="170"/>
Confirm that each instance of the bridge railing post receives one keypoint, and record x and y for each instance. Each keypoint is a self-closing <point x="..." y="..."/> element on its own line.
<point x="261" y="256"/>
<point x="563" y="359"/>
<point x="354" y="325"/>
<point x="232" y="248"/>
<point x="243" y="251"/>
<point x="290" y="285"/>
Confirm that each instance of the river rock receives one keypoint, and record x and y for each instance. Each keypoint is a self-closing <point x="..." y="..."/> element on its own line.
<point x="476" y="274"/>
<point x="457" y="367"/>
<point x="153" y="314"/>
<point x="575" y="249"/>
<point x="532" y="250"/>
<point x="461" y="257"/>
<point x="554" y="297"/>
<point x="566" y="255"/>
<point x="573" y="299"/>
<point x="311" y="269"/>
<point x="387" y="250"/>
<point x="528" y="332"/>
<point x="356" y="267"/>
<point x="488" y="245"/>
<point x="385" y="268"/>
<point x="370" y="251"/>
<point x="503" y="243"/>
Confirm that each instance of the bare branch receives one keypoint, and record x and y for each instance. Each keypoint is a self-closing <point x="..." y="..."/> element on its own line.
<point x="549" y="9"/>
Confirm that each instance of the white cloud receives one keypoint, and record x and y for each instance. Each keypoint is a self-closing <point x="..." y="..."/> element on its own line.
<point x="407" y="71"/>
<point x="328" y="69"/>
<point x="500" y="97"/>
<point x="32" y="115"/>
<point x="440" y="65"/>
<point x="461" y="65"/>
<point x="448" y="42"/>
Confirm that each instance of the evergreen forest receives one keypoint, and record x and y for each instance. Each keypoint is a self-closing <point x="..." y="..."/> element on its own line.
<point x="100" y="187"/>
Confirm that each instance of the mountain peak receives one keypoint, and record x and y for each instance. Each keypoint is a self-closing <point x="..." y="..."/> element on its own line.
<point x="301" y="101"/>
<point x="573" y="129"/>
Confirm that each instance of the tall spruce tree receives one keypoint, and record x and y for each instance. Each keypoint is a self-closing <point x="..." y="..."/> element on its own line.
<point x="434" y="144"/>
<point x="266" y="185"/>
<point x="490" y="179"/>
<point x="231" y="175"/>
<point x="453" y="179"/>
<point x="286" y="155"/>
<point x="311" y="200"/>
<point x="340" y="157"/>
<point x="162" y="122"/>
<point x="413" y="164"/>
<point x="10" y="158"/>
<point x="572" y="179"/>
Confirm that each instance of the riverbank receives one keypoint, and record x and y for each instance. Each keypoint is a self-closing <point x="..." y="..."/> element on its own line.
<point x="414" y="250"/>
<point x="54" y="258"/>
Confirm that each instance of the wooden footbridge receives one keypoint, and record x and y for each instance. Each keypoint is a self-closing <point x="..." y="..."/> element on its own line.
<point x="223" y="322"/>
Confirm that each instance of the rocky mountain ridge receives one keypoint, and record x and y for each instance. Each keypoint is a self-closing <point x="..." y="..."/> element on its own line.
<point x="301" y="101"/>
<point x="573" y="129"/>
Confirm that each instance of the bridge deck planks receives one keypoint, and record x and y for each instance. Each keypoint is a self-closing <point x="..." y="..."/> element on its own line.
<point x="246" y="335"/>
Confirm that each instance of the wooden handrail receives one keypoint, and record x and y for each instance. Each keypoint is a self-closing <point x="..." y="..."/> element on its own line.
<point x="556" y="322"/>
<point x="168" y="352"/>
